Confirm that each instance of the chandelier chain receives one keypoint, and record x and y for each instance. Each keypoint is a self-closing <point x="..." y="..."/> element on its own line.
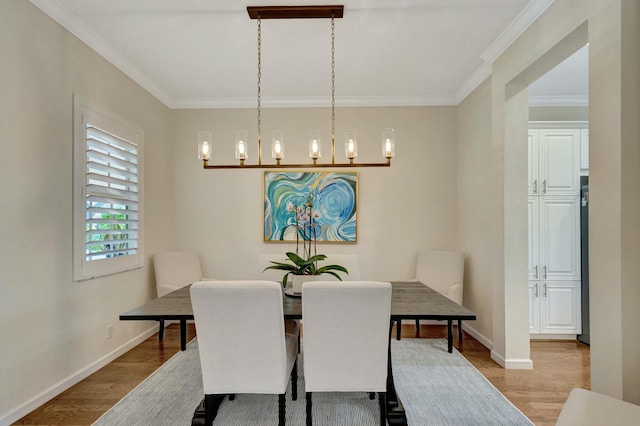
<point x="259" y="73"/>
<point x="333" y="76"/>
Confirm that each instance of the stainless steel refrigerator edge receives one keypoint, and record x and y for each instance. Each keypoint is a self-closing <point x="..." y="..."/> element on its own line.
<point x="584" y="255"/>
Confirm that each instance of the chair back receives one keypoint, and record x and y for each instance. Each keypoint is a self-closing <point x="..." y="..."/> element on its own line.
<point x="175" y="270"/>
<point x="443" y="271"/>
<point x="241" y="338"/>
<point x="346" y="335"/>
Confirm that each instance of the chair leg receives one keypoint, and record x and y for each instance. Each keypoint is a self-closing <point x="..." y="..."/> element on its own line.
<point x="281" y="409"/>
<point x="309" y="409"/>
<point x="459" y="331"/>
<point x="417" y="328"/>
<point x="161" y="330"/>
<point x="294" y="381"/>
<point x="209" y="414"/>
<point x="399" y="330"/>
<point x="382" y="400"/>
<point x="232" y="396"/>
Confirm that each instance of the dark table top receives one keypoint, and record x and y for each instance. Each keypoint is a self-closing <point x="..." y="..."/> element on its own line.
<point x="409" y="300"/>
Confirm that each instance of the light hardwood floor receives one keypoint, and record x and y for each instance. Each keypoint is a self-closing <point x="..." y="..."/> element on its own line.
<point x="540" y="393"/>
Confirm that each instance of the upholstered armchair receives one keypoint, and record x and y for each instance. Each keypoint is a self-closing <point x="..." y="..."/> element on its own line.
<point x="353" y="359"/>
<point x="443" y="271"/>
<point x="242" y="341"/>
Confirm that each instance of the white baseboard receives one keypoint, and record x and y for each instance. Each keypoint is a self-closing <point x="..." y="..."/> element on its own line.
<point x="512" y="363"/>
<point x="477" y="335"/>
<point x="66" y="383"/>
<point x="553" y="337"/>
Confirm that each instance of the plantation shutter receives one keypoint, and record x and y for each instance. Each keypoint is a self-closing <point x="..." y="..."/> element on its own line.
<point x="111" y="194"/>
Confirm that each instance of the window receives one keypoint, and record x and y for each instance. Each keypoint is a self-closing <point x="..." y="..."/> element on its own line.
<point x="108" y="183"/>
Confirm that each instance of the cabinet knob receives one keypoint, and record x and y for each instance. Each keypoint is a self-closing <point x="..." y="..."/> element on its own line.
<point x="544" y="186"/>
<point x="535" y="186"/>
<point x="536" y="294"/>
<point x="545" y="289"/>
<point x="544" y="272"/>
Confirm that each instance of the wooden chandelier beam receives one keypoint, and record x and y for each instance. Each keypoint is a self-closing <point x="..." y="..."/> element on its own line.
<point x="295" y="12"/>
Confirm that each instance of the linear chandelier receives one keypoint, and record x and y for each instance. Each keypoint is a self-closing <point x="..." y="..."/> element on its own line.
<point x="205" y="143"/>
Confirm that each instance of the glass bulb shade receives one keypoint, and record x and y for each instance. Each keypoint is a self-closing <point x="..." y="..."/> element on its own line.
<point x="241" y="145"/>
<point x="388" y="143"/>
<point x="314" y="144"/>
<point x="351" y="144"/>
<point x="277" y="145"/>
<point x="205" y="143"/>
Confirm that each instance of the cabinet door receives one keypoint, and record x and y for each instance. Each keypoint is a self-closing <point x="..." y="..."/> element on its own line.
<point x="534" y="239"/>
<point x="560" y="307"/>
<point x="559" y="161"/>
<point x="584" y="152"/>
<point x="534" y="307"/>
<point x="559" y="238"/>
<point x="533" y="183"/>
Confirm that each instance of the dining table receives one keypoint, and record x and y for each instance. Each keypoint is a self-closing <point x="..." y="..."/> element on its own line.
<point x="410" y="300"/>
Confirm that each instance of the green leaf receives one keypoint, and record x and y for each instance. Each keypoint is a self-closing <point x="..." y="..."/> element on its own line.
<point x="334" y="274"/>
<point x="328" y="268"/>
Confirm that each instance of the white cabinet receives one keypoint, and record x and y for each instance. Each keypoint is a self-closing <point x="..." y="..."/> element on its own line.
<point x="555" y="165"/>
<point x="554" y="265"/>
<point x="584" y="152"/>
<point x="554" y="307"/>
<point x="534" y="307"/>
<point x="554" y="238"/>
<point x="560" y="307"/>
<point x="559" y="238"/>
<point x="554" y="161"/>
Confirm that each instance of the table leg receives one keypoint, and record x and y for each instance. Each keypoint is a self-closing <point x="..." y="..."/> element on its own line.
<point x="450" y="335"/>
<point x="395" y="410"/>
<point x="183" y="334"/>
<point x="399" y="330"/>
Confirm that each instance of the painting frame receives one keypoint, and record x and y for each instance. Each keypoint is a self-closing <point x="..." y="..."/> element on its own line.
<point x="335" y="195"/>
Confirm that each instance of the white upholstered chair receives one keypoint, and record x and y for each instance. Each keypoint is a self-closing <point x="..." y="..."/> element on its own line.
<point x="174" y="270"/>
<point x="588" y="408"/>
<point x="355" y="358"/>
<point x="242" y="341"/>
<point x="443" y="271"/>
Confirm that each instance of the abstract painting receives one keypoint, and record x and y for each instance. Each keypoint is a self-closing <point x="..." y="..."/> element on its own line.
<point x="333" y="197"/>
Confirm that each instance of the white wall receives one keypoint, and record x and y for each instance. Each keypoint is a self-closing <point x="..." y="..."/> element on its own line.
<point x="559" y="113"/>
<point x="614" y="226"/>
<point x="51" y="327"/>
<point x="474" y="207"/>
<point x="401" y="209"/>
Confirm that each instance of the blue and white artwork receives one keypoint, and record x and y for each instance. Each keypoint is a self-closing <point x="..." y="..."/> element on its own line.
<point x="331" y="198"/>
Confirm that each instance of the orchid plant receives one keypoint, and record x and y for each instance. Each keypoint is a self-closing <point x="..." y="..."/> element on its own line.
<point x="305" y="261"/>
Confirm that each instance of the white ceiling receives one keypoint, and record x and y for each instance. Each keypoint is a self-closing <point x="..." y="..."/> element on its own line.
<point x="203" y="53"/>
<point x="565" y="85"/>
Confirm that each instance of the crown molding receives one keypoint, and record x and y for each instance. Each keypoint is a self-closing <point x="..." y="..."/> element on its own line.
<point x="62" y="15"/>
<point x="520" y="23"/>
<point x="58" y="12"/>
<point x="312" y="102"/>
<point x="558" y="101"/>
<point x="480" y="75"/>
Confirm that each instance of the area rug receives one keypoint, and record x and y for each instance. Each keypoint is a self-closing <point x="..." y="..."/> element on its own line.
<point x="435" y="387"/>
